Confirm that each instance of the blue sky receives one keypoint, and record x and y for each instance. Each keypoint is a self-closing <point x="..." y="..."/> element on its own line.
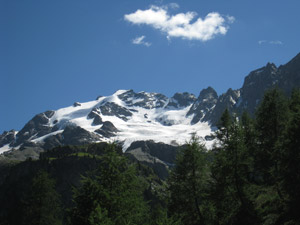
<point x="53" y="53"/>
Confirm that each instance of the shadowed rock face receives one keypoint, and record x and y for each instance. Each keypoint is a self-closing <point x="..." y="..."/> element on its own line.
<point x="182" y="100"/>
<point x="112" y="109"/>
<point x="289" y="75"/>
<point x="107" y="130"/>
<point x="7" y="137"/>
<point x="248" y="98"/>
<point x="158" y="156"/>
<point x="203" y="105"/>
<point x="38" y="126"/>
<point x="255" y="84"/>
<point x="143" y="99"/>
<point x="72" y="135"/>
<point x="227" y="100"/>
<point x="95" y="115"/>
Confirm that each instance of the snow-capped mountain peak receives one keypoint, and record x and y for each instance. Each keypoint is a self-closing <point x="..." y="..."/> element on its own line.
<point x="125" y="116"/>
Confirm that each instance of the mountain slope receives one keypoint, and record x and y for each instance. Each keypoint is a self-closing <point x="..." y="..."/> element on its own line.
<point x="127" y="116"/>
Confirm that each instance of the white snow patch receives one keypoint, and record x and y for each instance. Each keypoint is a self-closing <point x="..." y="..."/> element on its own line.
<point x="232" y="100"/>
<point x="41" y="139"/>
<point x="119" y="92"/>
<point x="140" y="128"/>
<point x="5" y="148"/>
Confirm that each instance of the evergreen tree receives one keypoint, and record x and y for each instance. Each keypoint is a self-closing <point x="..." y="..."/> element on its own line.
<point x="271" y="121"/>
<point x="230" y="172"/>
<point x="224" y="127"/>
<point x="159" y="216"/>
<point x="87" y="209"/>
<point x="42" y="204"/>
<point x="188" y="184"/>
<point x="290" y="166"/>
<point x="113" y="195"/>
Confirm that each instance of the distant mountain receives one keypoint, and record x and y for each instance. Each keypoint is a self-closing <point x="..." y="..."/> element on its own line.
<point x="128" y="117"/>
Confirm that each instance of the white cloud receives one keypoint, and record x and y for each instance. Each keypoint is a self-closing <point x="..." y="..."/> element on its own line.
<point x="261" y="42"/>
<point x="230" y="19"/>
<point x="182" y="25"/>
<point x="276" y="42"/>
<point x="140" y="41"/>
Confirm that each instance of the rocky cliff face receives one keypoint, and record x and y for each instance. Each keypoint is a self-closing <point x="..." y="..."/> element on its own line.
<point x="203" y="105"/>
<point x="158" y="156"/>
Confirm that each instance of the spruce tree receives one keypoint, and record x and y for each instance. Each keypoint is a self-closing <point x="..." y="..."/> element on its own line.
<point x="272" y="118"/>
<point x="111" y="195"/>
<point x="42" y="204"/>
<point x="230" y="173"/>
<point x="188" y="184"/>
<point x="290" y="164"/>
<point x="271" y="121"/>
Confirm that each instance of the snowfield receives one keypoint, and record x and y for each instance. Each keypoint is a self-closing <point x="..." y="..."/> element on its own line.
<point x="165" y="124"/>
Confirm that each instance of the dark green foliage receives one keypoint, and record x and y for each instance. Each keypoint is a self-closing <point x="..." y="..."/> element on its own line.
<point x="188" y="184"/>
<point x="111" y="195"/>
<point x="159" y="216"/>
<point x="231" y="169"/>
<point x="224" y="126"/>
<point x="66" y="168"/>
<point x="88" y="209"/>
<point x="290" y="164"/>
<point x="271" y="122"/>
<point x="42" y="206"/>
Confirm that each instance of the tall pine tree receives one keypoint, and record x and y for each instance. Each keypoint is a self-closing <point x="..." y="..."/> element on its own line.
<point x="230" y="173"/>
<point x="290" y="163"/>
<point x="271" y="121"/>
<point x="112" y="195"/>
<point x="188" y="184"/>
<point x="42" y="204"/>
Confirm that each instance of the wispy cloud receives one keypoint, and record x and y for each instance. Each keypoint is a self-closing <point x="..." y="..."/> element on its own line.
<point x="182" y="25"/>
<point x="276" y="42"/>
<point x="173" y="5"/>
<point x="140" y="41"/>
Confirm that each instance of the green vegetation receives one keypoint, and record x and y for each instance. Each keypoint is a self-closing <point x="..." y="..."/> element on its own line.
<point x="41" y="204"/>
<point x="251" y="176"/>
<point x="110" y="195"/>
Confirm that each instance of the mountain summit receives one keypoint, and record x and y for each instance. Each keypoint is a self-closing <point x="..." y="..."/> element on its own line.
<point x="127" y="116"/>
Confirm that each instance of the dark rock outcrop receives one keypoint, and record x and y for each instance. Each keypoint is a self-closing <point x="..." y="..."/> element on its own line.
<point x="158" y="156"/>
<point x="75" y="104"/>
<point x="38" y="126"/>
<point x="225" y="101"/>
<point x="182" y="100"/>
<point x="95" y="115"/>
<point x="255" y="85"/>
<point x="7" y="137"/>
<point x="112" y="109"/>
<point x="143" y="99"/>
<point x="107" y="130"/>
<point x="203" y="105"/>
<point x="289" y="75"/>
<point x="72" y="135"/>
